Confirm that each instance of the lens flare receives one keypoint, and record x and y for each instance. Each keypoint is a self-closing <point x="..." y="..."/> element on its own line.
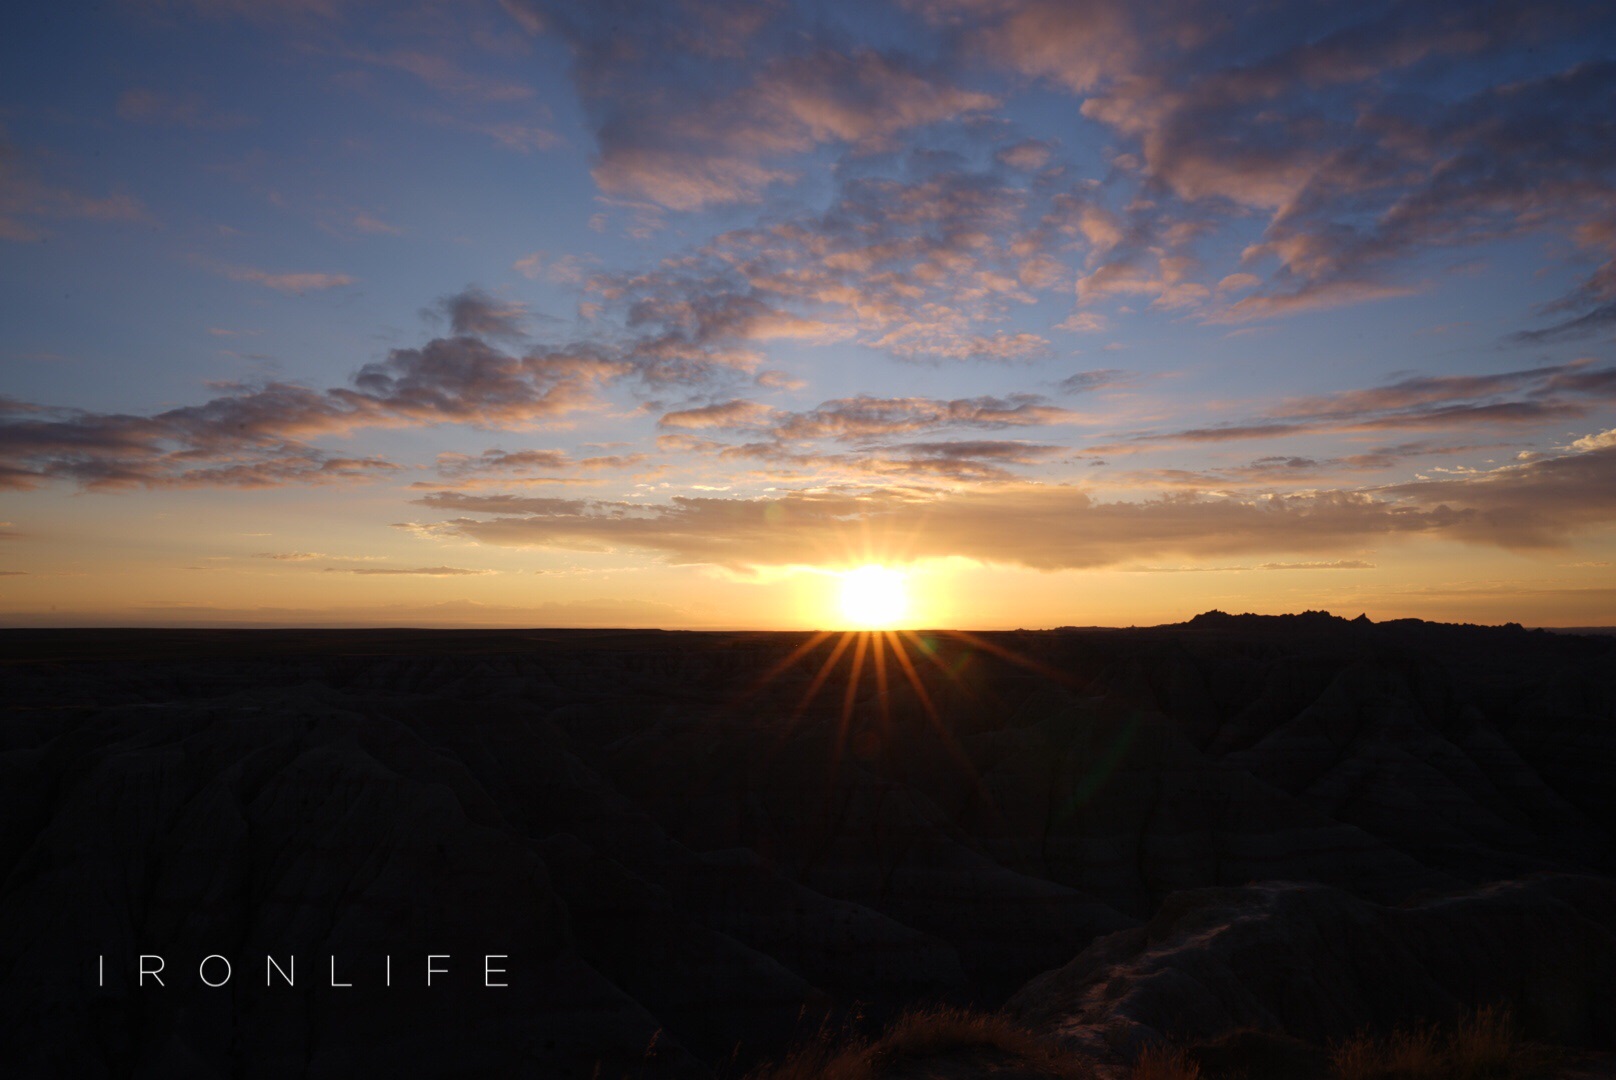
<point x="874" y="597"/>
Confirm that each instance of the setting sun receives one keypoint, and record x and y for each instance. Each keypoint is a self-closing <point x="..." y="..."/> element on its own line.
<point x="874" y="597"/>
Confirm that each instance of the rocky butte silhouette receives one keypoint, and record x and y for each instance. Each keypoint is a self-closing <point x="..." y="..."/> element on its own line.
<point x="684" y="852"/>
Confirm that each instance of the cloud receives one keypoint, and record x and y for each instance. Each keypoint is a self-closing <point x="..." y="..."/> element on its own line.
<point x="1354" y="137"/>
<point x="1043" y="528"/>
<point x="865" y="416"/>
<point x="1317" y="296"/>
<point x="142" y="105"/>
<point x="519" y="136"/>
<point x="1507" y="159"/>
<point x="687" y="444"/>
<point x="926" y="269"/>
<point x="1583" y="326"/>
<point x="1084" y="382"/>
<point x="685" y="135"/>
<point x="473" y="312"/>
<point x="369" y="223"/>
<point x="296" y="283"/>
<point x="443" y="74"/>
<point x="501" y="464"/>
<point x="1335" y="564"/>
<point x="1082" y="322"/>
<point x="27" y="201"/>
<point x="414" y="571"/>
<point x="921" y="341"/>
<point x="913" y="468"/>
<point x="1517" y="398"/>
<point x="559" y="269"/>
<point x="525" y="15"/>
<point x="1076" y="45"/>
<point x="728" y="415"/>
<point x="463" y="379"/>
<point x="256" y="436"/>
<point x="954" y="461"/>
<point x="471" y="100"/>
<point x="1604" y="440"/>
<point x="779" y="380"/>
<point x="1055" y="527"/>
<point x="1534" y="504"/>
<point x="1593" y="302"/>
<point x="1354" y="142"/>
<point x="1029" y="155"/>
<point x="1011" y="450"/>
<point x="261" y="11"/>
<point x="1276" y="471"/>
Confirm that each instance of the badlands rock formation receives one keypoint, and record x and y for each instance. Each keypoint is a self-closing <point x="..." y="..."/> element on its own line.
<point x="690" y="862"/>
<point x="1319" y="965"/>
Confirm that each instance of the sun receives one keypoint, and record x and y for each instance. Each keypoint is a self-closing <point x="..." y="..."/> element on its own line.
<point x="874" y="597"/>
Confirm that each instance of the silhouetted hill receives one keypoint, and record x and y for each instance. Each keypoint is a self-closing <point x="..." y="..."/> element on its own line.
<point x="689" y="841"/>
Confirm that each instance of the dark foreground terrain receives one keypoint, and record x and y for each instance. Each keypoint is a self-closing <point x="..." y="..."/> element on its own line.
<point x="1297" y="825"/>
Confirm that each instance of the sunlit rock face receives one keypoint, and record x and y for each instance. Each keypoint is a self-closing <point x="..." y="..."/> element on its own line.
<point x="690" y="862"/>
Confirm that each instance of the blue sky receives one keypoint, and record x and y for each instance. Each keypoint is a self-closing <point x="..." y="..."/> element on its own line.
<point x="496" y="313"/>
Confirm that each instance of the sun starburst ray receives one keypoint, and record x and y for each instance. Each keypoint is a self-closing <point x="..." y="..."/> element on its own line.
<point x="824" y="673"/>
<point x="1012" y="656"/>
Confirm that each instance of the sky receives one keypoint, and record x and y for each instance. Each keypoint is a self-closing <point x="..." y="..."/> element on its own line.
<point x="1065" y="312"/>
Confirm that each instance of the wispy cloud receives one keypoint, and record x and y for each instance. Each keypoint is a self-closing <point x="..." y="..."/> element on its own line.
<point x="1540" y="504"/>
<point x="1453" y="403"/>
<point x="413" y="571"/>
<point x="256" y="436"/>
<point x="28" y="201"/>
<point x="295" y="282"/>
<point x="143" y="105"/>
<point x="685" y="145"/>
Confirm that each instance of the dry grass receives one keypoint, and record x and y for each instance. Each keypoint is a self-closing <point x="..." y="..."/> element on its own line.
<point x="1483" y="1046"/>
<point x="941" y="1042"/>
<point x="1164" y="1063"/>
<point x="956" y="1044"/>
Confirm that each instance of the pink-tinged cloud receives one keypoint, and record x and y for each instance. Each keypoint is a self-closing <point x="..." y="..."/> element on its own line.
<point x="866" y="416"/>
<point x="297" y="282"/>
<point x="370" y="223"/>
<point x="729" y="415"/>
<point x="1074" y="43"/>
<point x="255" y="436"/>
<point x="685" y="154"/>
<point x="504" y="463"/>
<point x="779" y="380"/>
<point x="1029" y="155"/>
<point x="925" y="270"/>
<point x="28" y="201"/>
<point x="920" y="341"/>
<point x="922" y="464"/>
